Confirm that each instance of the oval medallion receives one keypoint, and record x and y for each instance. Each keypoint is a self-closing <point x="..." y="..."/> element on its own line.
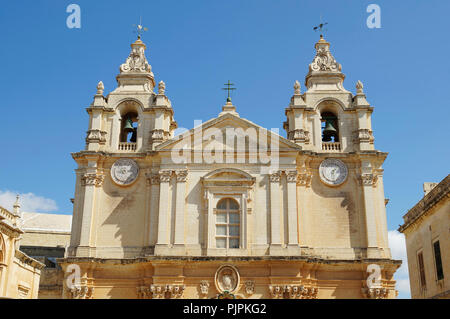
<point x="124" y="171"/>
<point x="333" y="171"/>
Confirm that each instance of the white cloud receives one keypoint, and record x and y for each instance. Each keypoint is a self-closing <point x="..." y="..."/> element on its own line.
<point x="29" y="202"/>
<point x="398" y="250"/>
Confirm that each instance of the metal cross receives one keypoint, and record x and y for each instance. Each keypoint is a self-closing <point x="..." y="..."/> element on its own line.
<point x="229" y="88"/>
<point x="139" y="28"/>
<point x="321" y="27"/>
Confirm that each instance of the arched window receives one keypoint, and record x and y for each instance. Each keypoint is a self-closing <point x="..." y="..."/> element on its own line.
<point x="227" y="224"/>
<point x="128" y="129"/>
<point x="330" y="128"/>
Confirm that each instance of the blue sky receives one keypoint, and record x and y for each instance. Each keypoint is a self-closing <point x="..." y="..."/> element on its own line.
<point x="50" y="73"/>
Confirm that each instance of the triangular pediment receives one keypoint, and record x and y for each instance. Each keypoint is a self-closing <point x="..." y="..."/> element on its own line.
<point x="218" y="133"/>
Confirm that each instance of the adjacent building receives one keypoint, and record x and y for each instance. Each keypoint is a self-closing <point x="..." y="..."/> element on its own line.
<point x="19" y="273"/>
<point x="229" y="209"/>
<point x="426" y="228"/>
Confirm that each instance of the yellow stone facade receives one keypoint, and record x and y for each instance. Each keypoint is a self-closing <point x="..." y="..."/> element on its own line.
<point x="426" y="228"/>
<point x="19" y="273"/>
<point x="228" y="206"/>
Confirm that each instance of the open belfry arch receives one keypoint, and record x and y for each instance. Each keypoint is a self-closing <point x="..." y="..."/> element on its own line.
<point x="188" y="216"/>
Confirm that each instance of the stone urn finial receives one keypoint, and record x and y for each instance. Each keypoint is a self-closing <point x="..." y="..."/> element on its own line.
<point x="359" y="87"/>
<point x="100" y="88"/>
<point x="161" y="87"/>
<point x="297" y="87"/>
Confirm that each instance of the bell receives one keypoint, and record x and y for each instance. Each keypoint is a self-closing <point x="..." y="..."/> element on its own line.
<point x="128" y="127"/>
<point x="328" y="132"/>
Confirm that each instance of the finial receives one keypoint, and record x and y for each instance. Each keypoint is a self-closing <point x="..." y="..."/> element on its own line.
<point x="229" y="88"/>
<point x="140" y="29"/>
<point x="16" y="205"/>
<point x="161" y="87"/>
<point x="297" y="87"/>
<point x="100" y="88"/>
<point x="359" y="87"/>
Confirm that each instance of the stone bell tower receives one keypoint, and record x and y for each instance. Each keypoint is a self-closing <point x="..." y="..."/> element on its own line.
<point x="126" y="124"/>
<point x="334" y="124"/>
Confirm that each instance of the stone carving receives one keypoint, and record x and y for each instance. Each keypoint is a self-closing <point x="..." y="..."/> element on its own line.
<point x="249" y="287"/>
<point x="96" y="136"/>
<point x="227" y="279"/>
<point x="100" y="88"/>
<point x="92" y="179"/>
<point x="293" y="291"/>
<point x="167" y="291"/>
<point x="299" y="136"/>
<point x="182" y="175"/>
<point x="291" y="176"/>
<point x="152" y="178"/>
<point x="333" y="171"/>
<point x="364" y="136"/>
<point x="359" y="87"/>
<point x="275" y="177"/>
<point x="304" y="179"/>
<point x="143" y="292"/>
<point x="375" y="293"/>
<point x="324" y="61"/>
<point x="368" y="179"/>
<point x="297" y="88"/>
<point x="158" y="135"/>
<point x="204" y="287"/>
<point x="165" y="175"/>
<point x="161" y="88"/>
<point x="136" y="61"/>
<point x="124" y="171"/>
<point x="81" y="292"/>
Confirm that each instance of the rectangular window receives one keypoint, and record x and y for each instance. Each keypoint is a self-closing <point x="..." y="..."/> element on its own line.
<point x="227" y="224"/>
<point x="423" y="283"/>
<point x="438" y="260"/>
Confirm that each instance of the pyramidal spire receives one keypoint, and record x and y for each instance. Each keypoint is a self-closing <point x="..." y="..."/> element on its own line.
<point x="136" y="73"/>
<point x="324" y="71"/>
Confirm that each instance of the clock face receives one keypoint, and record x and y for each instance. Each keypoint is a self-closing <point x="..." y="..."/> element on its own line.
<point x="124" y="171"/>
<point x="333" y="171"/>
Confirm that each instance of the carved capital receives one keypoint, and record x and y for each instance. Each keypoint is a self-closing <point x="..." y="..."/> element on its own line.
<point x="152" y="179"/>
<point x="291" y="176"/>
<point x="293" y="292"/>
<point x="96" y="136"/>
<point x="166" y="291"/>
<point x="364" y="136"/>
<point x="81" y="292"/>
<point x="275" y="177"/>
<point x="143" y="292"/>
<point x="304" y="179"/>
<point x="182" y="175"/>
<point x="375" y="293"/>
<point x="158" y="135"/>
<point x="299" y="136"/>
<point x="92" y="179"/>
<point x="368" y="179"/>
<point x="165" y="176"/>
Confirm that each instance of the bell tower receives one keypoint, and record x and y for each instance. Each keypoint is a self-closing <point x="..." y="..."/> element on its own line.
<point x="124" y="127"/>
<point x="327" y="117"/>
<point x="333" y="127"/>
<point x="132" y="118"/>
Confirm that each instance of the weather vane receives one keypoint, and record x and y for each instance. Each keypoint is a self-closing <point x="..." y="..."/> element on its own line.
<point x="321" y="27"/>
<point x="229" y="88"/>
<point x="139" y="28"/>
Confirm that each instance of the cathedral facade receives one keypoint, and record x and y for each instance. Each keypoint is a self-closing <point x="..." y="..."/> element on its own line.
<point x="229" y="209"/>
